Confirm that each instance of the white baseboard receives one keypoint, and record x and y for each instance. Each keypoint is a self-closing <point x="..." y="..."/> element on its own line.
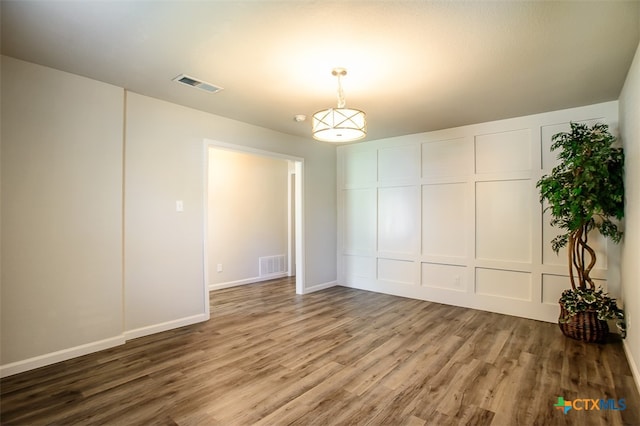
<point x="246" y="281"/>
<point x="319" y="287"/>
<point x="169" y="325"/>
<point x="63" y="355"/>
<point x="632" y="364"/>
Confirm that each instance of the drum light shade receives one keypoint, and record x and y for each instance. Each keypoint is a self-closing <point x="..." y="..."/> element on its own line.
<point x="339" y="124"/>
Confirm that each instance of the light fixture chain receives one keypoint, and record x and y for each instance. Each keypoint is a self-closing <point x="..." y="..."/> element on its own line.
<point x="341" y="101"/>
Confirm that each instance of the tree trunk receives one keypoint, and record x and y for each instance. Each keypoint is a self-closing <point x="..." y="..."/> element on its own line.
<point x="578" y="250"/>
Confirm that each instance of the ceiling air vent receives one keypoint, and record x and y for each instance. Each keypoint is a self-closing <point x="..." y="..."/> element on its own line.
<point x="198" y="84"/>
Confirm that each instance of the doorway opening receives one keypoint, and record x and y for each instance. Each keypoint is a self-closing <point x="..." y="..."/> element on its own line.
<point x="293" y="190"/>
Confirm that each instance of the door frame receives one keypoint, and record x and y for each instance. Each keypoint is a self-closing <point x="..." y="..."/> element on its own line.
<point x="298" y="220"/>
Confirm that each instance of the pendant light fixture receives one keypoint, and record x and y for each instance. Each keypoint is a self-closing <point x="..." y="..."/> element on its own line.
<point x="339" y="124"/>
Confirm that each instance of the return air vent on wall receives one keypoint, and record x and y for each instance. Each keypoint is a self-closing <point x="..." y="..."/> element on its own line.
<point x="198" y="84"/>
<point x="273" y="265"/>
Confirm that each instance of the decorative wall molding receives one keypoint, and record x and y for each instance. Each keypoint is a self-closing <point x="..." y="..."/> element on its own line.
<point x="453" y="216"/>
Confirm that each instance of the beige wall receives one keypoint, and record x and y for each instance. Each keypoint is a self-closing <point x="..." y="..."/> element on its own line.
<point x="64" y="228"/>
<point x="630" y="135"/>
<point x="61" y="213"/>
<point x="163" y="248"/>
<point x="247" y="214"/>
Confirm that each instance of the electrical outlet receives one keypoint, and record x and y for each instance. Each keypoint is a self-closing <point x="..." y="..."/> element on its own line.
<point x="219" y="268"/>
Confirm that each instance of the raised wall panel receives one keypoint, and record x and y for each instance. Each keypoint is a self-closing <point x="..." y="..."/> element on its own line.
<point x="550" y="158"/>
<point x="446" y="158"/>
<point x="360" y="266"/>
<point x="549" y="257"/>
<point x="503" y="220"/>
<point x="397" y="163"/>
<point x="501" y="283"/>
<point x="399" y="219"/>
<point x="448" y="277"/>
<point x="397" y="271"/>
<point x="359" y="168"/>
<point x="444" y="209"/>
<point x="503" y="151"/>
<point x="554" y="285"/>
<point x="359" y="219"/>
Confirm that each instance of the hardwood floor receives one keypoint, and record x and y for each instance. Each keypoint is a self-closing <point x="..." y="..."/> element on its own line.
<point x="339" y="356"/>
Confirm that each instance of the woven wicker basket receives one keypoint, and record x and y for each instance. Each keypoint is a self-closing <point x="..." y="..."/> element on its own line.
<point x="584" y="326"/>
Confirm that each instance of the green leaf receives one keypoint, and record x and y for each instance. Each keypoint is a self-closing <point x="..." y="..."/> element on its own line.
<point x="586" y="185"/>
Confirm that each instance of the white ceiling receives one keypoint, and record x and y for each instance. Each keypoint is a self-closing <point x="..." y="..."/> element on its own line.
<point x="413" y="66"/>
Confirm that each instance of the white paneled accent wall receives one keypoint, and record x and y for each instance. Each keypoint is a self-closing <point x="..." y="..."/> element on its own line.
<point x="454" y="216"/>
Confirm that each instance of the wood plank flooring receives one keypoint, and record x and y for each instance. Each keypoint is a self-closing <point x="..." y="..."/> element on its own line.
<point x="335" y="357"/>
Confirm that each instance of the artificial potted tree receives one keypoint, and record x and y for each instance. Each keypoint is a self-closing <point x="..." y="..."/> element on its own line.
<point x="585" y="193"/>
